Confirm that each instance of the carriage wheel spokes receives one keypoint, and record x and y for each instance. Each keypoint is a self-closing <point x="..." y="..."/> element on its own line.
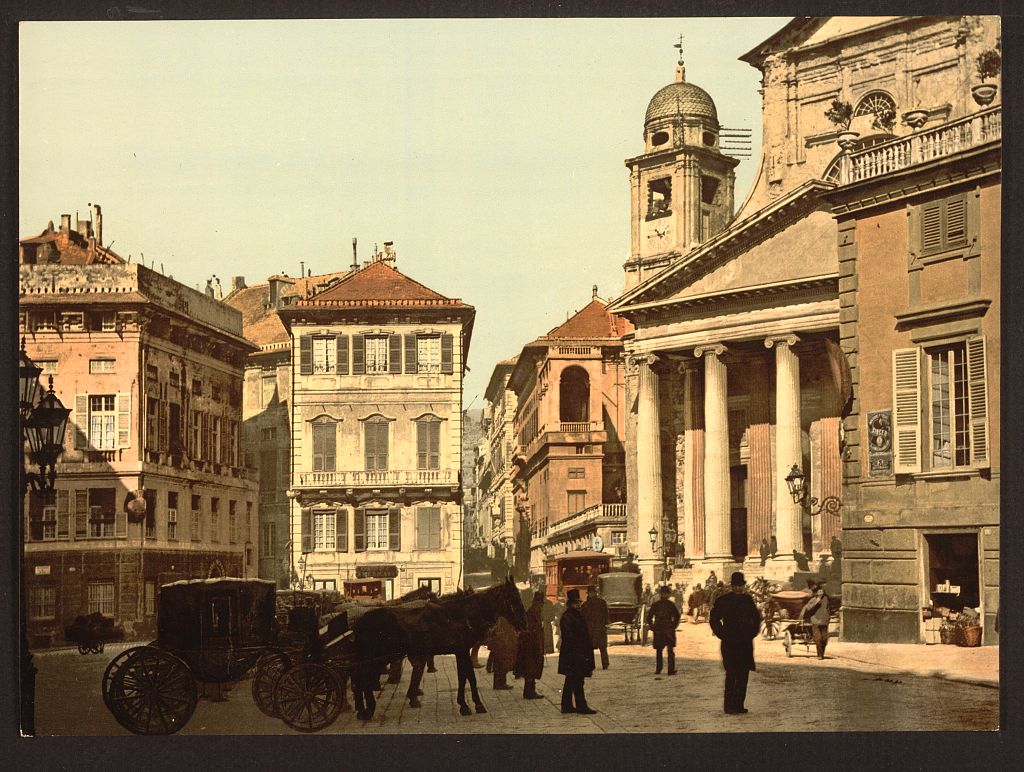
<point x="308" y="697"/>
<point x="787" y="642"/>
<point x="149" y="691"/>
<point x="268" y="670"/>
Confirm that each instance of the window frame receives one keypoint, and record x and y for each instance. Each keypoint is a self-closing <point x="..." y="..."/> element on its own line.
<point x="428" y="458"/>
<point x="327" y="429"/>
<point x="37" y="607"/>
<point x="325" y="525"/>
<point x="380" y="366"/>
<point x="382" y="535"/>
<point x="97" y="604"/>
<point x="426" y="540"/>
<point x="107" y="429"/>
<point x="382" y="426"/>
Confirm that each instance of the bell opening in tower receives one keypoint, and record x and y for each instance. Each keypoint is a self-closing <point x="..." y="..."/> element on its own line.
<point x="659" y="198"/>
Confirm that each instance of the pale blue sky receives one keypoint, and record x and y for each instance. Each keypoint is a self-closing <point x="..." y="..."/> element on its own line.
<point x="490" y="151"/>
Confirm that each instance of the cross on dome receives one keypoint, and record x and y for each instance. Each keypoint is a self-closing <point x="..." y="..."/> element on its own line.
<point x="680" y="68"/>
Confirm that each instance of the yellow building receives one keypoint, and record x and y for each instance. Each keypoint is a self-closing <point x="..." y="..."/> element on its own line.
<point x="376" y="416"/>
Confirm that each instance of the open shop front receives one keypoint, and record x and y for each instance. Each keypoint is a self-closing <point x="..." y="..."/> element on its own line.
<point x="953" y="595"/>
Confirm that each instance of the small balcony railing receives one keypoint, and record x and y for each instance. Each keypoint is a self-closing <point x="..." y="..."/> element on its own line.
<point x="954" y="137"/>
<point x="597" y="514"/>
<point x="352" y="479"/>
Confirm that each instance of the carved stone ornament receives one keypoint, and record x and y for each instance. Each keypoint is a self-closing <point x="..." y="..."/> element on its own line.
<point x="788" y="340"/>
<point x="709" y="348"/>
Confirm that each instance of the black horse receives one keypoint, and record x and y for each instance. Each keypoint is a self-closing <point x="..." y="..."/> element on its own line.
<point x="450" y="625"/>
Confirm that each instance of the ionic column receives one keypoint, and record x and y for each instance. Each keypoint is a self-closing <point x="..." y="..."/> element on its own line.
<point x="648" y="459"/>
<point x="717" y="503"/>
<point x="689" y="534"/>
<point x="788" y="444"/>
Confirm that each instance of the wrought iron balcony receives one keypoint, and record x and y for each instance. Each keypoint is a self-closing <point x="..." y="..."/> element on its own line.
<point x="375" y="479"/>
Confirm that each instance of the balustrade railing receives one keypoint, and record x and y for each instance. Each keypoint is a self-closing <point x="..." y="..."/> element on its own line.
<point x="381" y="477"/>
<point x="587" y="516"/>
<point x="923" y="146"/>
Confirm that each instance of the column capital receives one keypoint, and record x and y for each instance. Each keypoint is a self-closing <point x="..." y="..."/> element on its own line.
<point x="649" y="359"/>
<point x="782" y="340"/>
<point x="710" y="348"/>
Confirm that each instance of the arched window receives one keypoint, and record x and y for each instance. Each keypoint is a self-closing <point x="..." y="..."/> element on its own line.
<point x="574" y="396"/>
<point x="873" y="103"/>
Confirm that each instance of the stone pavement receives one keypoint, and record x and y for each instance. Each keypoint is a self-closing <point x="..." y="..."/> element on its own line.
<point x="859" y="687"/>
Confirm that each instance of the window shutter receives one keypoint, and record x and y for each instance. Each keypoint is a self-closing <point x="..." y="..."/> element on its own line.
<point x="977" y="391"/>
<point x="358" y="355"/>
<point x="394" y="353"/>
<point x="395" y="529"/>
<point x="307" y="531"/>
<point x="124" y="420"/>
<point x="306" y="355"/>
<point x="81" y="421"/>
<point x="906" y="400"/>
<point x="446" y="353"/>
<point x="164" y="427"/>
<point x="421" y="444"/>
<point x="434" y="444"/>
<point x="410" y="353"/>
<point x="422" y="528"/>
<point x="81" y="514"/>
<point x="360" y="530"/>
<point x="330" y="445"/>
<point x="931" y="226"/>
<point x="341" y="531"/>
<point x="318" y="448"/>
<point x="63" y="513"/>
<point x="342" y="362"/>
<point x="956" y="221"/>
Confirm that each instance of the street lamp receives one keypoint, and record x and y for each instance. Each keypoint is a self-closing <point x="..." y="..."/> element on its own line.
<point x="795" y="481"/>
<point x="42" y="424"/>
<point x="653" y="534"/>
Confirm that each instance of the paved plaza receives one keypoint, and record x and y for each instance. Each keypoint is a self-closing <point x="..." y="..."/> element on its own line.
<point x="859" y="687"/>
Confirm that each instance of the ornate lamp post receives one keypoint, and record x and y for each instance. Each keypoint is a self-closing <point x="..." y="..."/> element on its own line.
<point x="798" y="490"/>
<point x="43" y="421"/>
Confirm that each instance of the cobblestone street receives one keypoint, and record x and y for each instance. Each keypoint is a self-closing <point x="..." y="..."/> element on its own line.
<point x="852" y="690"/>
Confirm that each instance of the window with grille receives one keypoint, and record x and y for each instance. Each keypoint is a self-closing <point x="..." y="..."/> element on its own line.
<point x="376" y="443"/>
<point x="103" y="421"/>
<point x="377" y="531"/>
<point x="325" y="353"/>
<point x="324" y="530"/>
<point x="376" y="353"/>
<point x="101" y="598"/>
<point x="97" y="366"/>
<point x="428" y="528"/>
<point x="428" y="443"/>
<point x="325" y="436"/>
<point x="42" y="602"/>
<point x="428" y="353"/>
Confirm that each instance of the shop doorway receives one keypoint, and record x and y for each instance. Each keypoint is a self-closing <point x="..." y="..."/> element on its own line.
<point x="738" y="508"/>
<point x="952" y="571"/>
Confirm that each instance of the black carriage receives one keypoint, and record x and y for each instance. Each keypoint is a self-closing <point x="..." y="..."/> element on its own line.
<point x="209" y="631"/>
<point x="622" y="592"/>
<point x="92" y="632"/>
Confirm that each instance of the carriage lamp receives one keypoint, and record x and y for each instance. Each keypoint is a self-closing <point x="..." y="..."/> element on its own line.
<point x="795" y="481"/>
<point x="653" y="533"/>
<point x="44" y="430"/>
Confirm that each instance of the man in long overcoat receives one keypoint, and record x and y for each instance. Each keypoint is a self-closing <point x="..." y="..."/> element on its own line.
<point x="575" y="657"/>
<point x="501" y="640"/>
<point x="530" y="654"/>
<point x="816" y="612"/>
<point x="663" y="618"/>
<point x="736" y="620"/>
<point x="595" y="611"/>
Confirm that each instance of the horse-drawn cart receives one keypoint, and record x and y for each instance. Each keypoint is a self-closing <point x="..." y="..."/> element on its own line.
<point x="574" y="571"/>
<point x="783" y="617"/>
<point x="621" y="591"/>
<point x="92" y="632"/>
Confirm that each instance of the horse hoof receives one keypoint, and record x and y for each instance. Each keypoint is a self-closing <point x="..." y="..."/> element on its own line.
<point x="481" y="709"/>
<point x="414" y="703"/>
<point x="465" y="711"/>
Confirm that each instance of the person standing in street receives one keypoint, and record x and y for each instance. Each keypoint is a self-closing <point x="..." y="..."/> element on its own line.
<point x="736" y="620"/>
<point x="595" y="612"/>
<point x="663" y="618"/>
<point x="502" y="644"/>
<point x="530" y="653"/>
<point x="816" y="612"/>
<point x="575" y="656"/>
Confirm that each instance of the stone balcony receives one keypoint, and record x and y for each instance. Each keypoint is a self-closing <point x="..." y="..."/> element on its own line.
<point x="586" y="519"/>
<point x="378" y="479"/>
<point x="564" y="432"/>
<point x="972" y="131"/>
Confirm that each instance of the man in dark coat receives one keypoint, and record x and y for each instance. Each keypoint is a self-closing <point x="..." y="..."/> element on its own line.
<point x="595" y="611"/>
<point x="663" y="618"/>
<point x="530" y="654"/>
<point x="816" y="612"/>
<point x="736" y="620"/>
<point x="575" y="657"/>
<point x="696" y="602"/>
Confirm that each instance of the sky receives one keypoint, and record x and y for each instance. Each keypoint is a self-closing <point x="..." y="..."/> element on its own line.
<point x="490" y="151"/>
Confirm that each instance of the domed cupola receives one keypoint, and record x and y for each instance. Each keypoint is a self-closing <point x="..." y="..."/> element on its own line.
<point x="680" y="114"/>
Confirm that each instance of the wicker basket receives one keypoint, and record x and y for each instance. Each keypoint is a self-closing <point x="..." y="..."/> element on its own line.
<point x="969" y="636"/>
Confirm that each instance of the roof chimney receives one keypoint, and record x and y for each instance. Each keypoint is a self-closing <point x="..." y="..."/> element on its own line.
<point x="97" y="223"/>
<point x="65" y="223"/>
<point x="389" y="251"/>
<point x="355" y="259"/>
<point x="237" y="282"/>
<point x="594" y="290"/>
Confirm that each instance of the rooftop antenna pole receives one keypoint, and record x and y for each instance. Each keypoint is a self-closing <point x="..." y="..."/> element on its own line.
<point x="355" y="260"/>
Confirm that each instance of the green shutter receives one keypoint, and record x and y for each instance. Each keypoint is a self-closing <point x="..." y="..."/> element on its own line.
<point x="341" y="530"/>
<point x="977" y="392"/>
<point x="360" y="530"/>
<point x="358" y="355"/>
<point x="342" y="361"/>
<point x="307" y="530"/>
<point x="410" y="353"/>
<point x="394" y="353"/>
<point x="395" y="529"/>
<point x="446" y="353"/>
<point x="306" y="355"/>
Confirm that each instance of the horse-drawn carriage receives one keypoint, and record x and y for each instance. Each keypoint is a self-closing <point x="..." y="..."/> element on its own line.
<point x="782" y="617"/>
<point x="92" y="632"/>
<point x="574" y="571"/>
<point x="621" y="591"/>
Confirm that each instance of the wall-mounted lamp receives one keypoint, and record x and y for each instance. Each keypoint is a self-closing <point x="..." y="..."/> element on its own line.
<point x="795" y="481"/>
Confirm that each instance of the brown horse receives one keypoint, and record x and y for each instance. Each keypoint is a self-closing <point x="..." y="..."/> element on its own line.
<point x="450" y="625"/>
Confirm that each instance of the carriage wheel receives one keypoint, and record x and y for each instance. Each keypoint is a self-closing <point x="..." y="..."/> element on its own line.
<point x="787" y="643"/>
<point x="149" y="691"/>
<point x="308" y="697"/>
<point x="268" y="670"/>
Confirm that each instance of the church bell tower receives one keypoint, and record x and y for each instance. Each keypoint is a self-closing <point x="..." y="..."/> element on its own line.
<point x="682" y="184"/>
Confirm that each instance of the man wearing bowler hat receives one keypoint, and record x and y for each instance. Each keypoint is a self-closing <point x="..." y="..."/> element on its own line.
<point x="736" y="620"/>
<point x="575" y="656"/>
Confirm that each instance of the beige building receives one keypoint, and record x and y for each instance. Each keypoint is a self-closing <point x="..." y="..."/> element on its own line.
<point x="496" y="506"/>
<point x="376" y="432"/>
